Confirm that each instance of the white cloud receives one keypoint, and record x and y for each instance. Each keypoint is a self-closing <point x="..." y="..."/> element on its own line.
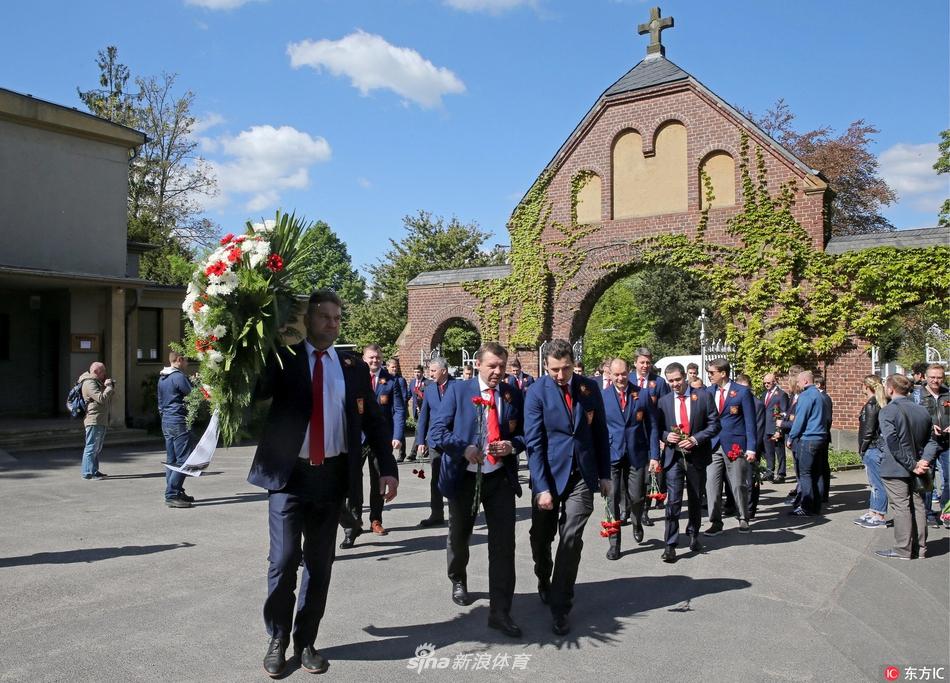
<point x="364" y="183"/>
<point x="206" y="122"/>
<point x="908" y="169"/>
<point x="219" y="4"/>
<point x="490" y="6"/>
<point x="262" y="161"/>
<point x="371" y="63"/>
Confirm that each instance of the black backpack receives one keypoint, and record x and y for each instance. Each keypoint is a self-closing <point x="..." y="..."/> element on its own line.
<point x="75" y="403"/>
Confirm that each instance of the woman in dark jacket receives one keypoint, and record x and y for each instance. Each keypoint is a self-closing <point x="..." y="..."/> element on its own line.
<point x="869" y="448"/>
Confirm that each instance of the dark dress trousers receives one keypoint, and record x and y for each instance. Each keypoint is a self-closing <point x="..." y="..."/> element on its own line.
<point x="304" y="501"/>
<point x="688" y="469"/>
<point x="775" y="450"/>
<point x="568" y="453"/>
<point x="454" y="429"/>
<point x="429" y="406"/>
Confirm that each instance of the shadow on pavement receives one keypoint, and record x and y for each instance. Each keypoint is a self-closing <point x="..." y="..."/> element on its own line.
<point x="405" y="546"/>
<point x="598" y="608"/>
<point x="229" y="500"/>
<point x="88" y="554"/>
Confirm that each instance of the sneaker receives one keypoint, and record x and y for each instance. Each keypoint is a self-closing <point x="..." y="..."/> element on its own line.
<point x="177" y="502"/>
<point x="862" y="519"/>
<point x="713" y="530"/>
<point x="799" y="512"/>
<point x="872" y="523"/>
<point x="99" y="476"/>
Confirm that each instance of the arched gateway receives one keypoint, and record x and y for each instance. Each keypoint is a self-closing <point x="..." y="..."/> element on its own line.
<point x="634" y="167"/>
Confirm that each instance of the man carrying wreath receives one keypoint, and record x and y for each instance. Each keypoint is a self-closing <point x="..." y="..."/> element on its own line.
<point x="309" y="458"/>
<point x="479" y="430"/>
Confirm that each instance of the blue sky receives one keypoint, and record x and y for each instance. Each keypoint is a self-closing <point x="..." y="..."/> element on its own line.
<point x="359" y="112"/>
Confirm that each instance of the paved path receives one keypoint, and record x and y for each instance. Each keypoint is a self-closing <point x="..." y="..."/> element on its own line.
<point x="99" y="581"/>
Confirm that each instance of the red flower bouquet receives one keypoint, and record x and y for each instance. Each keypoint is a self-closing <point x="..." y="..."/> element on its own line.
<point x="609" y="526"/>
<point x="734" y="452"/>
<point x="653" y="488"/>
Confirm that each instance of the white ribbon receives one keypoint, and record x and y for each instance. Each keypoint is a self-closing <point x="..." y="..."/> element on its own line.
<point x="200" y="458"/>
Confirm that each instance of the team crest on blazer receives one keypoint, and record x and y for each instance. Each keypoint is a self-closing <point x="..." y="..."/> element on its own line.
<point x="348" y="362"/>
<point x="694" y="397"/>
<point x="507" y="396"/>
<point x="639" y="416"/>
<point x="590" y="417"/>
<point x="652" y="384"/>
<point x="512" y="425"/>
<point x="382" y="380"/>
<point x="634" y="395"/>
<point x="733" y="410"/>
<point x="585" y="391"/>
<point x="653" y="398"/>
<point x="359" y="406"/>
<point x="384" y="400"/>
<point x="732" y="394"/>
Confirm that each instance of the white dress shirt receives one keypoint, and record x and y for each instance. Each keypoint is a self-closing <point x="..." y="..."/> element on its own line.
<point x="334" y="397"/>
<point x="487" y="466"/>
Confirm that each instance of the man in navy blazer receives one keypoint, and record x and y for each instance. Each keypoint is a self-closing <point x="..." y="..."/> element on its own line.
<point x="392" y="406"/>
<point x="733" y="448"/>
<point x="482" y="441"/>
<point x="776" y="405"/>
<point x="307" y="478"/>
<point x="645" y="379"/>
<point x="569" y="459"/>
<point x="517" y="378"/>
<point x="432" y="399"/>
<point x="631" y="426"/>
<point x="402" y="386"/>
<point x="417" y="387"/>
<point x="688" y="421"/>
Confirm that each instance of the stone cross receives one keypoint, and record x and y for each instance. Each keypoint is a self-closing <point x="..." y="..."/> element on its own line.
<point x="654" y="27"/>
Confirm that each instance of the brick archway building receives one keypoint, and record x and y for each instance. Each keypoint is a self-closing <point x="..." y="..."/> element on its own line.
<point x="641" y="147"/>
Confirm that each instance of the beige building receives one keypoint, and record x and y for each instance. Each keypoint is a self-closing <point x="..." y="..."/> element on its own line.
<point x="70" y="292"/>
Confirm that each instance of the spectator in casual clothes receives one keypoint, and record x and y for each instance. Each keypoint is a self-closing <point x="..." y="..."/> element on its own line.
<point x="97" y="392"/>
<point x="173" y="389"/>
<point x="935" y="397"/>
<point x="919" y="373"/>
<point x="870" y="450"/>
<point x="906" y="429"/>
<point x="809" y="433"/>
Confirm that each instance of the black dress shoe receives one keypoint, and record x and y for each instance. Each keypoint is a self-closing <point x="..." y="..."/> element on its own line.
<point x="613" y="553"/>
<point x="460" y="594"/>
<point x="312" y="661"/>
<point x="638" y="533"/>
<point x="432" y="521"/>
<point x="501" y="621"/>
<point x="669" y="555"/>
<point x="275" y="659"/>
<point x="561" y="626"/>
<point x="645" y="520"/>
<point x="694" y="543"/>
<point x="349" y="538"/>
<point x="544" y="591"/>
<point x="401" y="458"/>
<point x="778" y="480"/>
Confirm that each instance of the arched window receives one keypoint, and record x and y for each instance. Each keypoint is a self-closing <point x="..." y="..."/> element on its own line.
<point x="649" y="187"/>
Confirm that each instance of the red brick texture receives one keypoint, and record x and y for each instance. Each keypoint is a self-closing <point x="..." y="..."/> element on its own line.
<point x="709" y="127"/>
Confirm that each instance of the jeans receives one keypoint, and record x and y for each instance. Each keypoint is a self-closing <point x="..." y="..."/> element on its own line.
<point x="177" y="450"/>
<point x="940" y="463"/>
<point x="95" y="436"/>
<point x="872" y="465"/>
<point x="810" y="481"/>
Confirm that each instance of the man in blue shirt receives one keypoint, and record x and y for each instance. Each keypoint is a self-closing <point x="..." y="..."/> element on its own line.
<point x="173" y="388"/>
<point x="809" y="433"/>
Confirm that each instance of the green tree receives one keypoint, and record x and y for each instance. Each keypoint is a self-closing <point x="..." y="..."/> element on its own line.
<point x="460" y="335"/>
<point x="617" y="325"/>
<point x="847" y="163"/>
<point x="429" y="243"/>
<point x="942" y="166"/>
<point x="167" y="177"/>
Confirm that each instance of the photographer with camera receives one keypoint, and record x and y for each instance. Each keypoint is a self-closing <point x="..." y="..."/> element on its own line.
<point x="97" y="392"/>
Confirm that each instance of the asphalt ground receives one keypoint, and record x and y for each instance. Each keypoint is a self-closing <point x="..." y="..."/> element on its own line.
<point x="99" y="581"/>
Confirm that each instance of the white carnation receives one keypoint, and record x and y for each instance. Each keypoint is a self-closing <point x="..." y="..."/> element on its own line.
<point x="222" y="285"/>
<point x="266" y="226"/>
<point x="214" y="359"/>
<point x="220" y="331"/>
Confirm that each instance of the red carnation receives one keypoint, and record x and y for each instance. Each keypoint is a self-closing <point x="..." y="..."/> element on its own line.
<point x="205" y="392"/>
<point x="275" y="263"/>
<point x="234" y="253"/>
<point x="734" y="452"/>
<point x="227" y="238"/>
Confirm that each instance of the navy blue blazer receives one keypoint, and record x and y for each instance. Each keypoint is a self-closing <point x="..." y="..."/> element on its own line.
<point x="454" y="428"/>
<point x="415" y="399"/>
<point x="525" y="379"/>
<point x="288" y="383"/>
<point x="760" y="434"/>
<point x="737" y="419"/>
<point x="431" y="401"/>
<point x="553" y="438"/>
<point x="632" y="431"/>
<point x="779" y="402"/>
<point x="392" y="401"/>
<point x="656" y="385"/>
<point x="703" y="425"/>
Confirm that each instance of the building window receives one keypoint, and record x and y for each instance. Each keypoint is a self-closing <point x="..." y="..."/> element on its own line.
<point x="150" y="335"/>
<point x="4" y="336"/>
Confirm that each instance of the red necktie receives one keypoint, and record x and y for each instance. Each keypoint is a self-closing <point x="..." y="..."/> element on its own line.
<point x="494" y="429"/>
<point x="623" y="400"/>
<point x="768" y="396"/>
<point x="722" y="400"/>
<point x="567" y="398"/>
<point x="373" y="377"/>
<point x="684" y="418"/>
<point x="316" y="416"/>
<point x="442" y="389"/>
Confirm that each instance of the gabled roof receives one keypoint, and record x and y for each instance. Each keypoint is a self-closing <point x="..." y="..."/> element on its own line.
<point x="658" y="72"/>
<point x="917" y="238"/>
<point x="448" y="277"/>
